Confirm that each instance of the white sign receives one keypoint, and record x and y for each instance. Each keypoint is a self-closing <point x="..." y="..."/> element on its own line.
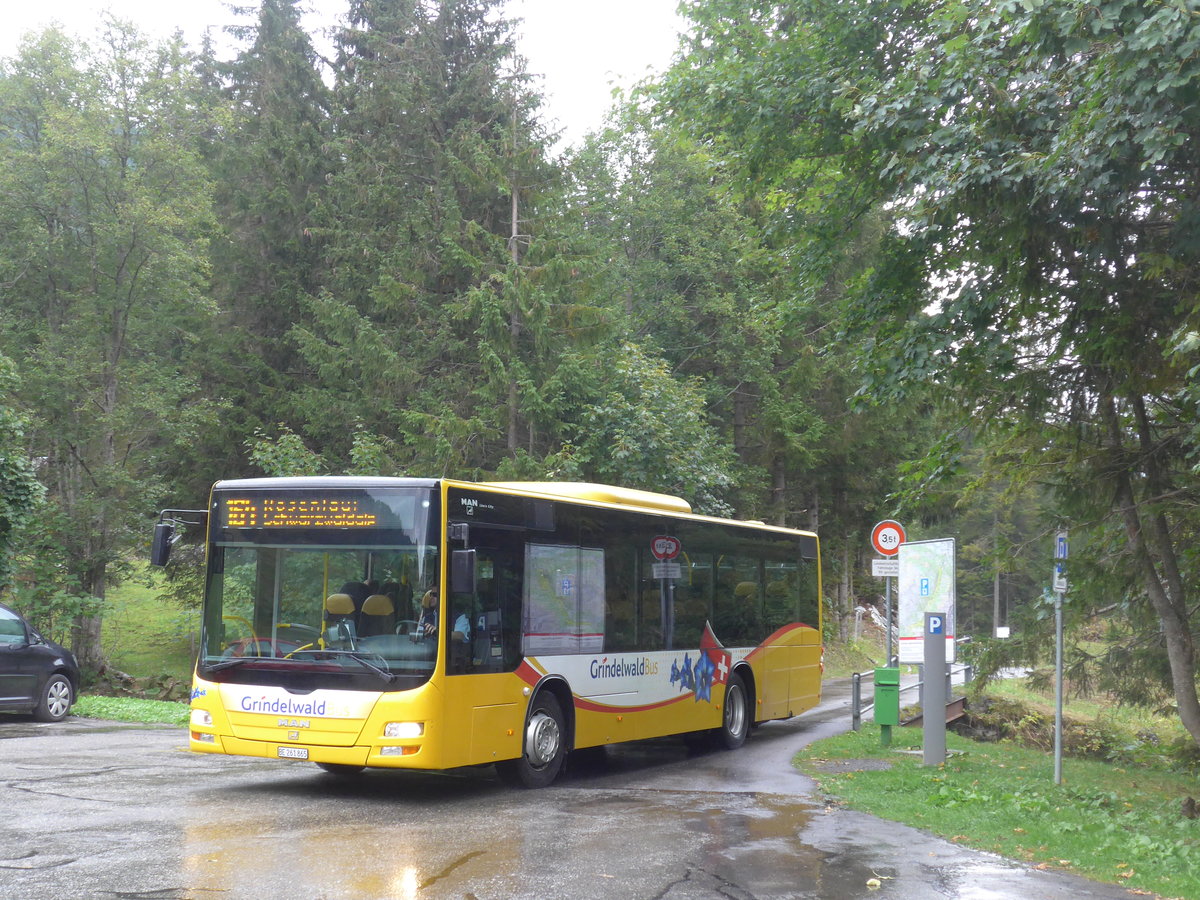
<point x="885" y="568"/>
<point x="671" y="570"/>
<point x="926" y="585"/>
<point x="1062" y="549"/>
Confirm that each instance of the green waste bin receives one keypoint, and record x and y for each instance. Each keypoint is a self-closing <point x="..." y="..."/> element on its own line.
<point x="887" y="696"/>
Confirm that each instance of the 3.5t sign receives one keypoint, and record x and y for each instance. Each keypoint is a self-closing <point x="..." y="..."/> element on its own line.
<point x="886" y="537"/>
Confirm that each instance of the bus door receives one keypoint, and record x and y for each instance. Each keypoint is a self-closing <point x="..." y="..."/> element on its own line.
<point x="481" y="692"/>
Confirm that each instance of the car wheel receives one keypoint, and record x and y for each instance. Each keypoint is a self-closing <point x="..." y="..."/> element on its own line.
<point x="55" y="700"/>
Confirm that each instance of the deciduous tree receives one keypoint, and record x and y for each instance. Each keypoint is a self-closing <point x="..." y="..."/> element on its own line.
<point x="1038" y="165"/>
<point x="104" y="207"/>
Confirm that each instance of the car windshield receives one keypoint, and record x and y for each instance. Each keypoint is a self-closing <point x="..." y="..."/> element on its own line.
<point x="12" y="628"/>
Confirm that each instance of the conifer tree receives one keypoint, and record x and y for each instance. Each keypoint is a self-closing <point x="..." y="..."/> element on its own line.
<point x="270" y="167"/>
<point x="437" y="144"/>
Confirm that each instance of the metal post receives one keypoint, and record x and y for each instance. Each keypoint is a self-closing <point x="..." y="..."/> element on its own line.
<point x="855" y="702"/>
<point x="1058" y="685"/>
<point x="887" y="582"/>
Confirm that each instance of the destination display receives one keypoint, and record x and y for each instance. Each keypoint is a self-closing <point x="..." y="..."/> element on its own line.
<point x="315" y="509"/>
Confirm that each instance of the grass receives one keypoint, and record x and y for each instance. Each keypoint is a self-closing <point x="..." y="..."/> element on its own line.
<point x="861" y="655"/>
<point x="1106" y="822"/>
<point x="145" y="636"/>
<point x="150" y="639"/>
<point x="1131" y="723"/>
<point x="132" y="709"/>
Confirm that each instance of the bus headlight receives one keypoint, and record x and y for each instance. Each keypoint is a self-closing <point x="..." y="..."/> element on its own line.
<point x="202" y="718"/>
<point x="404" y="729"/>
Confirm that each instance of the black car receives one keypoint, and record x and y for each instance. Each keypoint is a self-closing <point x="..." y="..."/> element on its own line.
<point x="36" y="675"/>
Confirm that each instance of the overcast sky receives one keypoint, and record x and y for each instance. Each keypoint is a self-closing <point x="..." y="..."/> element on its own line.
<point x="581" y="47"/>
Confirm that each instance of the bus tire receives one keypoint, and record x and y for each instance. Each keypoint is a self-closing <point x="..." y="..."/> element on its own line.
<point x="55" y="700"/>
<point x="343" y="770"/>
<point x="735" y="714"/>
<point x="543" y="747"/>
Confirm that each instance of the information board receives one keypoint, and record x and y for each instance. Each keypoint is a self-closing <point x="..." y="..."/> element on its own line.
<point x="926" y="584"/>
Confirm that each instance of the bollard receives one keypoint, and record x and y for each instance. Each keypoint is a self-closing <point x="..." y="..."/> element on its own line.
<point x="855" y="702"/>
<point x="934" y="708"/>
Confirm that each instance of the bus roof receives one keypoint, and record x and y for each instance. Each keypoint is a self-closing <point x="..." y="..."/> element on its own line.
<point x="629" y="498"/>
<point x="323" y="481"/>
<point x="599" y="493"/>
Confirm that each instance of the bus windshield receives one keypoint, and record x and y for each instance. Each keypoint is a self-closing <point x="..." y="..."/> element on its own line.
<point x="320" y="591"/>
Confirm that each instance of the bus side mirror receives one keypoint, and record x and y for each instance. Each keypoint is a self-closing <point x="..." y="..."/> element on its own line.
<point x="462" y="572"/>
<point x="160" y="545"/>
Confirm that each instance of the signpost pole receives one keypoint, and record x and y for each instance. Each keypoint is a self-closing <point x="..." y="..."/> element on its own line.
<point x="1061" y="553"/>
<point x="886" y="538"/>
<point x="888" y="595"/>
<point x="1058" y="685"/>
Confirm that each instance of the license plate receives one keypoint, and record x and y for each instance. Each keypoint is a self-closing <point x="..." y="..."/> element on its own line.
<point x="293" y="752"/>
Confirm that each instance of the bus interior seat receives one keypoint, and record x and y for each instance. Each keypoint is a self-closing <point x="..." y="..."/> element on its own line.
<point x="356" y="591"/>
<point x="339" y="608"/>
<point x="378" y="615"/>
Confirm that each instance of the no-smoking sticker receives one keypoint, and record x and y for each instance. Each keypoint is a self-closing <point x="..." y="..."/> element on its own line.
<point x="887" y="536"/>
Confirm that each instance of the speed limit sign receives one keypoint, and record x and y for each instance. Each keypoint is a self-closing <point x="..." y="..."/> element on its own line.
<point x="887" y="536"/>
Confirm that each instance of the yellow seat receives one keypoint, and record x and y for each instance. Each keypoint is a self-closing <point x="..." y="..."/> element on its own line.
<point x="339" y="605"/>
<point x="378" y="615"/>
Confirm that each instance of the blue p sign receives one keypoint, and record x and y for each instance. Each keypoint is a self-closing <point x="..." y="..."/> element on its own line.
<point x="935" y="624"/>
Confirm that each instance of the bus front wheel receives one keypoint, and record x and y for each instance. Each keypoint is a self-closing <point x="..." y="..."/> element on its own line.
<point x="735" y="716"/>
<point x="543" y="747"/>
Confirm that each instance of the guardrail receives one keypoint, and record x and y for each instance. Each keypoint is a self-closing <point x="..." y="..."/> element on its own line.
<point x="857" y="708"/>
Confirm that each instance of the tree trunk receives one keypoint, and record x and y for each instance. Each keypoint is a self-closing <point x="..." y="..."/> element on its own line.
<point x="845" y="589"/>
<point x="85" y="632"/>
<point x="1166" y="591"/>
<point x="996" y="575"/>
<point x="779" y="491"/>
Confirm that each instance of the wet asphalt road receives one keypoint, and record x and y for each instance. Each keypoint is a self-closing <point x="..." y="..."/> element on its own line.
<point x="100" y="810"/>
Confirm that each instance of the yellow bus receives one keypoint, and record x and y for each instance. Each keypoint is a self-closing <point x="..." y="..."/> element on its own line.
<point x="430" y="623"/>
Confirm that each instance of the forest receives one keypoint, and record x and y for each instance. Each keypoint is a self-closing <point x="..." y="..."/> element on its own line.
<point x="841" y="262"/>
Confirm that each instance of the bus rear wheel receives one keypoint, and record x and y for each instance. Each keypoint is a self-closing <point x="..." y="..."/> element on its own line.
<point x="543" y="747"/>
<point x="735" y="715"/>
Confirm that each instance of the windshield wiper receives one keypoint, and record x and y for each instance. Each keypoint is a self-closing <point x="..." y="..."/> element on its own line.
<point x="363" y="661"/>
<point x="387" y="676"/>
<point x="229" y="663"/>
